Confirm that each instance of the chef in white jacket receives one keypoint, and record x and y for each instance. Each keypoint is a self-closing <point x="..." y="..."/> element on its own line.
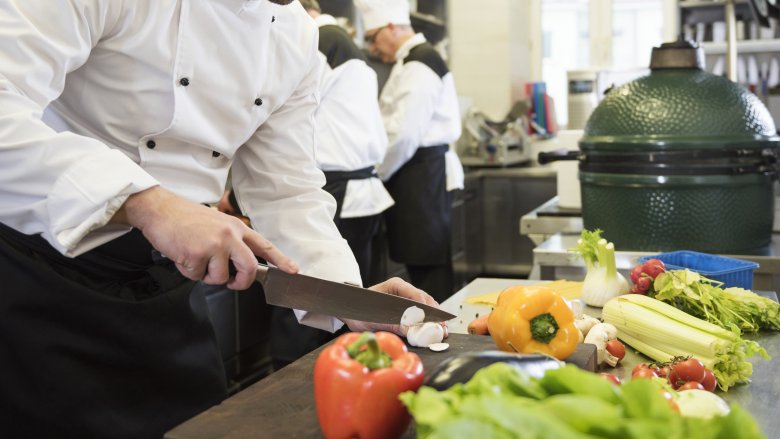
<point x="419" y="107"/>
<point x="118" y="121"/>
<point x="351" y="143"/>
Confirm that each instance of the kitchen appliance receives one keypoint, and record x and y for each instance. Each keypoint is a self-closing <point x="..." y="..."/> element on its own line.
<point x="680" y="158"/>
<point x="342" y="300"/>
<point x="489" y="143"/>
<point x="582" y="97"/>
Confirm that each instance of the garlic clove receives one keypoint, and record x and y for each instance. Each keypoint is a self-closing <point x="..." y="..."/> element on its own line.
<point x="439" y="347"/>
<point x="412" y="316"/>
<point x="425" y="334"/>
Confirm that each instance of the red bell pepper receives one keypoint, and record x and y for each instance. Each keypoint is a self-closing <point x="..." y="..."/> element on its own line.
<point x="357" y="380"/>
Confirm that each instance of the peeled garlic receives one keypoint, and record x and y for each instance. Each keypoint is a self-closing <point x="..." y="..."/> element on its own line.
<point x="412" y="316"/>
<point x="425" y="334"/>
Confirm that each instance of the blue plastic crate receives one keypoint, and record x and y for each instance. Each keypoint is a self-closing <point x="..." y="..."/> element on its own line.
<point x="732" y="272"/>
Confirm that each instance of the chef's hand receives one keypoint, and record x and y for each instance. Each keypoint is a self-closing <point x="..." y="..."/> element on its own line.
<point x="200" y="240"/>
<point x="398" y="287"/>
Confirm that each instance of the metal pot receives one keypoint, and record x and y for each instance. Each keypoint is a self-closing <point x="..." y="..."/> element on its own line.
<point x="680" y="158"/>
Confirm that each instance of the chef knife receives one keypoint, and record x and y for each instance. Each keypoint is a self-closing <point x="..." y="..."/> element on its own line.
<point x="340" y="300"/>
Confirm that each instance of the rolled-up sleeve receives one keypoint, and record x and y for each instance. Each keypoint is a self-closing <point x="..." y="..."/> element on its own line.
<point x="60" y="185"/>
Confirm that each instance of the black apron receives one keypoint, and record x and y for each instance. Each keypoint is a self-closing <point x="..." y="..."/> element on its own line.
<point x="336" y="185"/>
<point x="419" y="224"/>
<point x="359" y="232"/>
<point x="111" y="344"/>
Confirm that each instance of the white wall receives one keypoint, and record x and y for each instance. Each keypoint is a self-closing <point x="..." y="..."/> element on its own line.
<point x="495" y="47"/>
<point x="491" y="51"/>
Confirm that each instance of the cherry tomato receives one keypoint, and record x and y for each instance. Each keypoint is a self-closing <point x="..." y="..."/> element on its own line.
<point x="611" y="378"/>
<point x="691" y="385"/>
<point x="645" y="372"/>
<point x="709" y="382"/>
<point x="688" y="370"/>
<point x="662" y="372"/>
<point x="616" y="348"/>
<point x="639" y="366"/>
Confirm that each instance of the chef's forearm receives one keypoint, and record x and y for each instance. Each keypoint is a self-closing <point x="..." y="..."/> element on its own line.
<point x="141" y="207"/>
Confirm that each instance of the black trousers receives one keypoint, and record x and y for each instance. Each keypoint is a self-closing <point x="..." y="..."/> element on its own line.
<point x="111" y="344"/>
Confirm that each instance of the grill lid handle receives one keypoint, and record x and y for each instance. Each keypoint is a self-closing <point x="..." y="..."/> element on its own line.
<point x="558" y="155"/>
<point x="680" y="54"/>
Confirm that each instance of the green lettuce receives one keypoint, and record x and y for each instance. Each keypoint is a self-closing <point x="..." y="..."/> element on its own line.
<point x="501" y="401"/>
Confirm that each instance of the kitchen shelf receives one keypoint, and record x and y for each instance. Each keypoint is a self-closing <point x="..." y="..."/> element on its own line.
<point x="706" y="3"/>
<point x="743" y="46"/>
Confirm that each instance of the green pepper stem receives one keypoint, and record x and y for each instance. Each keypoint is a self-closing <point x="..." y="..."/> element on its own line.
<point x="373" y="357"/>
<point x="543" y="328"/>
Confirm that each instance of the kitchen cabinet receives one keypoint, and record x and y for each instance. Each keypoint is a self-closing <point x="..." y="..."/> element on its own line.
<point x="241" y="322"/>
<point x="496" y="199"/>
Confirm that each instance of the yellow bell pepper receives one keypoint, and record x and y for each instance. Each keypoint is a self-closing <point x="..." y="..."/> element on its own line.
<point x="533" y="319"/>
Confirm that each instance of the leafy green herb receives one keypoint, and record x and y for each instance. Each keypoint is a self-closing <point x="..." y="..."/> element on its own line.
<point x="701" y="297"/>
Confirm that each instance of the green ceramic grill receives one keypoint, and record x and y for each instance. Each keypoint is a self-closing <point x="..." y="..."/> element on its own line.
<point x="680" y="159"/>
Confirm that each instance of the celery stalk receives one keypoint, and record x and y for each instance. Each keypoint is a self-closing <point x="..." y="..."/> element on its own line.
<point x="661" y="331"/>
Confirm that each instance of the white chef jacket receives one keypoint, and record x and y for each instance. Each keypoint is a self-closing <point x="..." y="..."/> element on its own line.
<point x="419" y="109"/>
<point x="350" y="131"/>
<point x="169" y="92"/>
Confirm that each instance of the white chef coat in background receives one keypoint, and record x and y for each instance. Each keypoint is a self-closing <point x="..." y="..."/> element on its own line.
<point x="350" y="133"/>
<point x="419" y="109"/>
<point x="164" y="92"/>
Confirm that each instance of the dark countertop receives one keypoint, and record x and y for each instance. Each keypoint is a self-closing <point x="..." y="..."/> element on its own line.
<point x="282" y="404"/>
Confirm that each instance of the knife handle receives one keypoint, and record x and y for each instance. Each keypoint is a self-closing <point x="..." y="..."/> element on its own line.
<point x="262" y="271"/>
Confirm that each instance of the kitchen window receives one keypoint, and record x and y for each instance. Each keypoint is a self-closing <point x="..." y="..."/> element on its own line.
<point x="613" y="36"/>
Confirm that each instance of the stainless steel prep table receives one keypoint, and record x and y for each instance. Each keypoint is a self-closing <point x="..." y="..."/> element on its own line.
<point x="553" y="260"/>
<point x="555" y="230"/>
<point x="282" y="405"/>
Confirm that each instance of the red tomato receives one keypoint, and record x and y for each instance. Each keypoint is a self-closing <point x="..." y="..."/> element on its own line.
<point x="611" y="378"/>
<point x="645" y="372"/>
<point x="639" y="366"/>
<point x="616" y="348"/>
<point x="709" y="382"/>
<point x="662" y="372"/>
<point x="691" y="385"/>
<point x="688" y="370"/>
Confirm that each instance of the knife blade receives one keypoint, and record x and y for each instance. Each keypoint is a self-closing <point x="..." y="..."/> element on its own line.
<point x="341" y="300"/>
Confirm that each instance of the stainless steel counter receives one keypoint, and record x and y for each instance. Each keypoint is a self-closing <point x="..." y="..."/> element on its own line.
<point x="760" y="397"/>
<point x="538" y="227"/>
<point x="553" y="260"/>
<point x="555" y="230"/>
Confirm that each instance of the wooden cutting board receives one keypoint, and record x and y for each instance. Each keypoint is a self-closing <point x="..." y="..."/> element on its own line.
<point x="282" y="404"/>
